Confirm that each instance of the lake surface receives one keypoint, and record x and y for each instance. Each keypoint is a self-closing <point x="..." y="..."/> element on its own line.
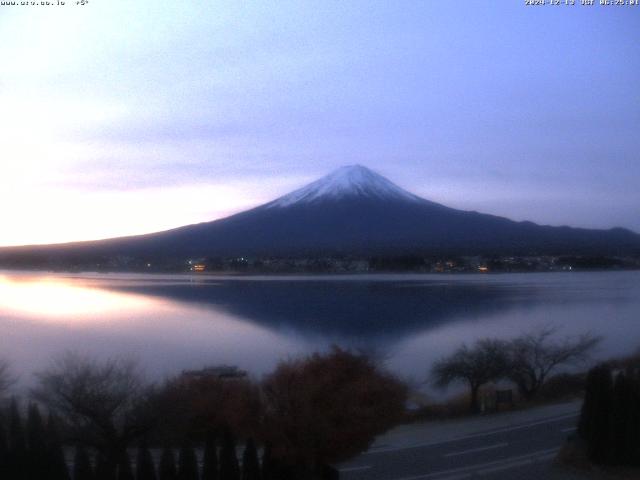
<point x="176" y="322"/>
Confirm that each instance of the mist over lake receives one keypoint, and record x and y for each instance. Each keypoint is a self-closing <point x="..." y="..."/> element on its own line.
<point x="176" y="322"/>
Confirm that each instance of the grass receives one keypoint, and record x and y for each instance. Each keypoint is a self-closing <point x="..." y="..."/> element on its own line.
<point x="563" y="387"/>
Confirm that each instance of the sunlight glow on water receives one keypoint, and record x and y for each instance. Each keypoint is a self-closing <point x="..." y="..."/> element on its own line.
<point x="61" y="301"/>
<point x="42" y="316"/>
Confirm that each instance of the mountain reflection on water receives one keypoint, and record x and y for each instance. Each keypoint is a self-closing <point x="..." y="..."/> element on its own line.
<point x="173" y="322"/>
<point x="351" y="308"/>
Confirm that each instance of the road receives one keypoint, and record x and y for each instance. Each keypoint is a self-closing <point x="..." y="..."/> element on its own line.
<point x="523" y="451"/>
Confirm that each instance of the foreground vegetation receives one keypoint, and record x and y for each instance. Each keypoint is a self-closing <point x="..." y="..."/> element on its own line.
<point x="526" y="361"/>
<point x="308" y="414"/>
<point x="608" y="435"/>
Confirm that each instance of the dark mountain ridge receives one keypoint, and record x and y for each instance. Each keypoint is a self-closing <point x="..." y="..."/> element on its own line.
<point x="352" y="211"/>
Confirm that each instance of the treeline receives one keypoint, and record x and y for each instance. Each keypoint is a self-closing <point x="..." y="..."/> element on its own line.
<point x="433" y="262"/>
<point x="308" y="414"/>
<point x="33" y="450"/>
<point x="414" y="263"/>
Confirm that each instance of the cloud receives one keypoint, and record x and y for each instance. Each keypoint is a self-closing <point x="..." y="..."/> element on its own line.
<point x="119" y="105"/>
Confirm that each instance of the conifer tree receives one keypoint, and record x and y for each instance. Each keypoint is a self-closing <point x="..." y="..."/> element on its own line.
<point x="82" y="469"/>
<point x="167" y="470"/>
<point x="104" y="468"/>
<point x="635" y="418"/>
<point x="622" y="420"/>
<point x="595" y="418"/>
<point x="250" y="464"/>
<point x="187" y="462"/>
<point x="4" y="449"/>
<point x="145" y="469"/>
<point x="56" y="463"/>
<point x="17" y="461"/>
<point x="229" y="468"/>
<point x="267" y="464"/>
<point x="36" y="444"/>
<point x="210" y="460"/>
<point x="125" y="472"/>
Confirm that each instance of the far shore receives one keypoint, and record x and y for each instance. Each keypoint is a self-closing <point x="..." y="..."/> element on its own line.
<point x="328" y="275"/>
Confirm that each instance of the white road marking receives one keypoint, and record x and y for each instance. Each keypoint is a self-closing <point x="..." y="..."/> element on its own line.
<point x="519" y="463"/>
<point x="500" y="468"/>
<point x="473" y="450"/>
<point x="457" y="477"/>
<point x="355" y="469"/>
<point x="503" y="464"/>
<point x="474" y="435"/>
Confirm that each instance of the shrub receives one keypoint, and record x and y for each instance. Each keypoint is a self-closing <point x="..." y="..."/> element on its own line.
<point x="327" y="408"/>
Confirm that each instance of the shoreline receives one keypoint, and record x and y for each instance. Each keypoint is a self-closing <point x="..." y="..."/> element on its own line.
<point x="304" y="275"/>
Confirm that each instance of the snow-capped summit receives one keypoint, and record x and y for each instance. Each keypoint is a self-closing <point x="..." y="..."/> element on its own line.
<point x="346" y="182"/>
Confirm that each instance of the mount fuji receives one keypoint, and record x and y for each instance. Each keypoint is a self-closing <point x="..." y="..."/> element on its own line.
<point x="352" y="210"/>
<point x="352" y="181"/>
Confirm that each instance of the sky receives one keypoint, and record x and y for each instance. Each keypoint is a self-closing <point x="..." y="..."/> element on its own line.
<point x="121" y="117"/>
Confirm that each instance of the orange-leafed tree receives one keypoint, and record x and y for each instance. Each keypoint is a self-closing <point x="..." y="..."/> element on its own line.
<point x="326" y="408"/>
<point x="199" y="406"/>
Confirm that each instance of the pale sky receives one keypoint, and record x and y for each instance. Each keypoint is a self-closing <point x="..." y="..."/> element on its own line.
<point x="122" y="117"/>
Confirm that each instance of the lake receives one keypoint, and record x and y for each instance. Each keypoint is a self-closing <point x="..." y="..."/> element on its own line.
<point x="176" y="322"/>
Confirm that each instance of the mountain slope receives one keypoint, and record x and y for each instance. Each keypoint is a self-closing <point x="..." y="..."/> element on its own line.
<point x="352" y="211"/>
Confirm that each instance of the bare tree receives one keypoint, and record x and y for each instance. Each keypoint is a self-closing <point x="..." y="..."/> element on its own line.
<point x="485" y="361"/>
<point x="6" y="379"/>
<point x="99" y="399"/>
<point x="534" y="355"/>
